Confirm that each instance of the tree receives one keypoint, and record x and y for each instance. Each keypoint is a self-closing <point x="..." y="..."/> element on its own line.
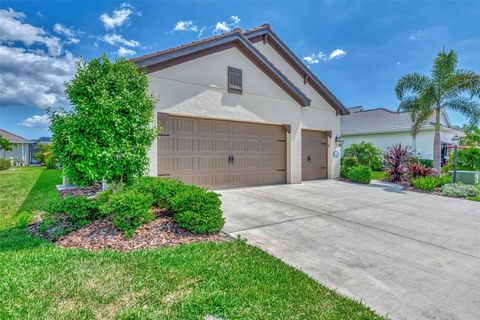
<point x="5" y="145"/>
<point x="366" y="153"/>
<point x="472" y="135"/>
<point x="107" y="134"/>
<point x="46" y="156"/>
<point x="446" y="88"/>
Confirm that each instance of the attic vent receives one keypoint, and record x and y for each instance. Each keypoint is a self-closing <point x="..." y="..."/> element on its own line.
<point x="235" y="80"/>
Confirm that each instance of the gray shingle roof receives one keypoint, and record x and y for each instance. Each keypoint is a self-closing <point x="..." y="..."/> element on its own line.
<point x="13" y="137"/>
<point x="379" y="120"/>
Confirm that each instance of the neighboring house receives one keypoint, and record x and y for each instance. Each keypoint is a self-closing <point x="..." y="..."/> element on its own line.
<point x="385" y="128"/>
<point x="241" y="109"/>
<point x="36" y="146"/>
<point x="21" y="153"/>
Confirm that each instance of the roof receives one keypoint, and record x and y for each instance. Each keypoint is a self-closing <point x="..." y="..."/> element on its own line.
<point x="244" y="41"/>
<point x="381" y="120"/>
<point x="13" y="138"/>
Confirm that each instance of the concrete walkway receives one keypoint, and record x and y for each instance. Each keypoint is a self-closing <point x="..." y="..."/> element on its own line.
<point x="407" y="255"/>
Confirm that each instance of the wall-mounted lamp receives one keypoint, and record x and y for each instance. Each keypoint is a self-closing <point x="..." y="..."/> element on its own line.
<point x="339" y="141"/>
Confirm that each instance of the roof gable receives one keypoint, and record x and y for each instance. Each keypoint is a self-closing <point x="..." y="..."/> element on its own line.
<point x="170" y="57"/>
<point x="265" y="34"/>
<point x="13" y="138"/>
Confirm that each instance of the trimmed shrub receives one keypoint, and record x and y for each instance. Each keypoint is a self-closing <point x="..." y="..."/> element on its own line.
<point x="198" y="210"/>
<point x="459" y="190"/>
<point x="346" y="164"/>
<point x="129" y="210"/>
<point x="429" y="183"/>
<point x="66" y="215"/>
<point x="162" y="190"/>
<point x="5" y="164"/>
<point x="360" y="174"/>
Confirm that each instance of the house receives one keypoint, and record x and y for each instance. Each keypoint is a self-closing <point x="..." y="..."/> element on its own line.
<point x="241" y="109"/>
<point x="21" y="153"/>
<point x="385" y="128"/>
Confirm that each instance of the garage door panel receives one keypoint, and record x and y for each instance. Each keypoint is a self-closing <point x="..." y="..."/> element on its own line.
<point x="314" y="155"/>
<point x="197" y="151"/>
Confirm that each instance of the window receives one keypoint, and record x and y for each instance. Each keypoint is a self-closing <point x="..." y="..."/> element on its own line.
<point x="235" y="80"/>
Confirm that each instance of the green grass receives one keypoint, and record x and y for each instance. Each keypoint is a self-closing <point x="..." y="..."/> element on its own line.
<point x="378" y="175"/>
<point x="231" y="280"/>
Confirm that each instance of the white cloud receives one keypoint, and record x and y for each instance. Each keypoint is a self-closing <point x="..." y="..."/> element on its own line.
<point x="224" y="26"/>
<point x="123" y="52"/>
<point x="36" y="121"/>
<point x="185" y="26"/>
<point x="69" y="33"/>
<point x="119" y="17"/>
<point x="115" y="39"/>
<point x="201" y="31"/>
<point x="315" y="58"/>
<point x="417" y="35"/>
<point x="13" y="29"/>
<point x="337" y="53"/>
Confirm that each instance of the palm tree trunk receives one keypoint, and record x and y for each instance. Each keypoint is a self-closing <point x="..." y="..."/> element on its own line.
<point x="437" y="158"/>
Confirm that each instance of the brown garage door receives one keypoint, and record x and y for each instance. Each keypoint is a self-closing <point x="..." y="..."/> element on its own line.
<point x="221" y="154"/>
<point x="314" y="155"/>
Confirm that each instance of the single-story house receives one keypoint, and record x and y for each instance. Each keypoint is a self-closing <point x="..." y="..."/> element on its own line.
<point x="385" y="128"/>
<point x="241" y="109"/>
<point x="22" y="148"/>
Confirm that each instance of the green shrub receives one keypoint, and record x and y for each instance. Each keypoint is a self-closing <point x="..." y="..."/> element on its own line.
<point x="426" y="162"/>
<point x="366" y="153"/>
<point x="162" y="190"/>
<point x="198" y="210"/>
<point x="129" y="210"/>
<point x="51" y="163"/>
<point x="103" y="197"/>
<point x="360" y="174"/>
<point x="346" y="164"/>
<point x="468" y="159"/>
<point x="430" y="182"/>
<point x="65" y="215"/>
<point x="459" y="190"/>
<point x="4" y="164"/>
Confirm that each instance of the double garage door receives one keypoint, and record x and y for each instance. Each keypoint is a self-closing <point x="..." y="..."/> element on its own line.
<point x="221" y="154"/>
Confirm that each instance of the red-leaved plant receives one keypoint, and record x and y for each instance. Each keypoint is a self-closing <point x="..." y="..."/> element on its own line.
<point x="419" y="170"/>
<point x="398" y="160"/>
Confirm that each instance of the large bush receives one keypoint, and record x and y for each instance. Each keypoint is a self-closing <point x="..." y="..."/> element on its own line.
<point x="107" y="133"/>
<point x="197" y="210"/>
<point x="162" y="190"/>
<point x="397" y="160"/>
<point x="360" y="174"/>
<point x="468" y="159"/>
<point x="65" y="215"/>
<point x="5" y="164"/>
<point x="429" y="183"/>
<point x="129" y="210"/>
<point x="459" y="190"/>
<point x="366" y="153"/>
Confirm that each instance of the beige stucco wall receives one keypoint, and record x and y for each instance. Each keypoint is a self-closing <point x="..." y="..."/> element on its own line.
<point x="199" y="88"/>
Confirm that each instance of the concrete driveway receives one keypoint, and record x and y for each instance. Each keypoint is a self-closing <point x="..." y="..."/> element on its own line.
<point x="405" y="254"/>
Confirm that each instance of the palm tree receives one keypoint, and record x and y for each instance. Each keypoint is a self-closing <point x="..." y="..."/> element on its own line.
<point x="5" y="145"/>
<point x="446" y="88"/>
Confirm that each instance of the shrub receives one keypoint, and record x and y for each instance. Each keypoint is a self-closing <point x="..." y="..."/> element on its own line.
<point x="418" y="170"/>
<point x="162" y="190"/>
<point x="346" y="164"/>
<point x="459" y="190"/>
<point x="65" y="215"/>
<point x="429" y="182"/>
<point x="129" y="210"/>
<point x="103" y="197"/>
<point x="360" y="174"/>
<point x="426" y="162"/>
<point x="4" y="164"/>
<point x="197" y="210"/>
<point x="366" y="153"/>
<point x="468" y="159"/>
<point x="398" y="159"/>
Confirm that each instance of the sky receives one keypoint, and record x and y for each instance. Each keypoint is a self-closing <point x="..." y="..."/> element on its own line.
<point x="359" y="49"/>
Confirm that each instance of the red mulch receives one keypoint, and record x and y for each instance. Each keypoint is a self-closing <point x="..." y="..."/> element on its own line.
<point x="162" y="232"/>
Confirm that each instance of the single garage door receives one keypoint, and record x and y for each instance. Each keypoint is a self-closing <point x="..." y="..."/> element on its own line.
<point x="314" y="155"/>
<point x="221" y="154"/>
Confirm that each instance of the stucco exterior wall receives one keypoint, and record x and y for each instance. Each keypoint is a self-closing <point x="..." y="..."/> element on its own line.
<point x="17" y="155"/>
<point x="199" y="88"/>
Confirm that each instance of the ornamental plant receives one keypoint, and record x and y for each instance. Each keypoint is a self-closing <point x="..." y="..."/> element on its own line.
<point x="419" y="170"/>
<point x="107" y="133"/>
<point x="398" y="159"/>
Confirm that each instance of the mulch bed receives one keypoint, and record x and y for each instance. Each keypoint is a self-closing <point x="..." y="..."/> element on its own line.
<point x="101" y="234"/>
<point x="82" y="191"/>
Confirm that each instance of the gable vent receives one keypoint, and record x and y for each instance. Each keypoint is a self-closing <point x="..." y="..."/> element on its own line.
<point x="235" y="80"/>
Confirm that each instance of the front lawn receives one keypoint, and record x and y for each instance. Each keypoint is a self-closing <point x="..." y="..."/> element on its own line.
<point x="230" y="280"/>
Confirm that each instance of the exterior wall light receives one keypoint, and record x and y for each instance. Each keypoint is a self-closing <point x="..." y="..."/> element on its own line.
<point x="338" y="141"/>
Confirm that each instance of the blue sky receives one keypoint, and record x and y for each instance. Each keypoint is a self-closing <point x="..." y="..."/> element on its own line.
<point x="358" y="49"/>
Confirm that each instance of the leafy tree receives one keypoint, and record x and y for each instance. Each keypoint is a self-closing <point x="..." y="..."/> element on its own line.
<point x="5" y="145"/>
<point x="446" y="88"/>
<point x="472" y="135"/>
<point x="366" y="153"/>
<point x="44" y="153"/>
<point x="107" y="134"/>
